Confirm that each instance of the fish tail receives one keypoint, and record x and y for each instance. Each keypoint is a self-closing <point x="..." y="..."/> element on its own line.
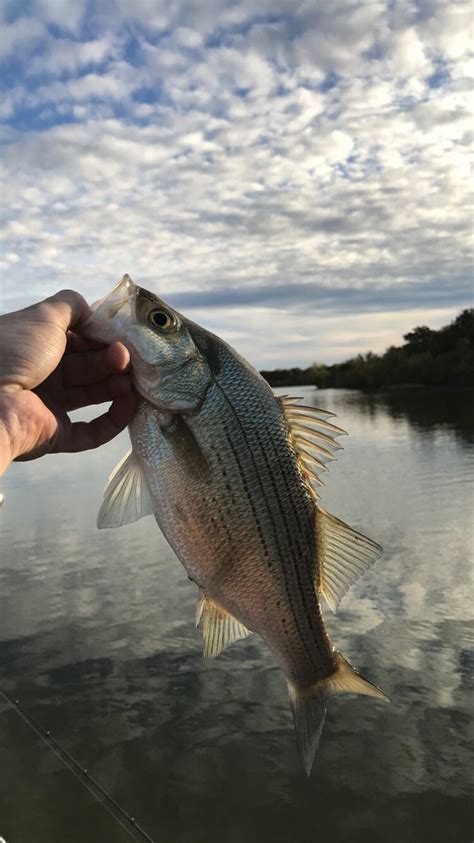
<point x="309" y="704"/>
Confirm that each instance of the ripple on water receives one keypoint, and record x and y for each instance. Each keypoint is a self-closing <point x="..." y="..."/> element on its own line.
<point x="98" y="638"/>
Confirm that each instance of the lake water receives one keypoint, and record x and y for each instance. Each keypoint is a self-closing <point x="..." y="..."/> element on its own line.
<point x="97" y="639"/>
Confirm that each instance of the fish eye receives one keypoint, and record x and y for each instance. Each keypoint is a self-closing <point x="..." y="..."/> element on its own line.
<point x="161" y="319"/>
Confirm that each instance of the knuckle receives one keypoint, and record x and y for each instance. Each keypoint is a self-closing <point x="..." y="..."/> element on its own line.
<point x="68" y="296"/>
<point x="68" y="303"/>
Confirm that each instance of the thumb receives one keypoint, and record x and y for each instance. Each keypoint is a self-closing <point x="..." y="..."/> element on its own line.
<point x="68" y="308"/>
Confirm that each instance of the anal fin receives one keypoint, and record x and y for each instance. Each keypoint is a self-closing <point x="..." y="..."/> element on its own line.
<point x="343" y="556"/>
<point x="219" y="627"/>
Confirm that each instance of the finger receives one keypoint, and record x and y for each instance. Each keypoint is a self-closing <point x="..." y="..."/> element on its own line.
<point x="97" y="393"/>
<point x="68" y="308"/>
<point x="119" y="356"/>
<point x="83" y="436"/>
<point x="75" y="342"/>
<point x="87" y="367"/>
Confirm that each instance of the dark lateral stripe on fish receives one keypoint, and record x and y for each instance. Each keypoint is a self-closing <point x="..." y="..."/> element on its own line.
<point x="285" y="569"/>
<point x="292" y="588"/>
<point x="293" y="585"/>
<point x="310" y="563"/>
<point x="248" y="494"/>
<point x="296" y="615"/>
<point x="319" y="634"/>
<point x="252" y="505"/>
<point x="290" y="541"/>
<point x="315" y="619"/>
<point x="308" y="611"/>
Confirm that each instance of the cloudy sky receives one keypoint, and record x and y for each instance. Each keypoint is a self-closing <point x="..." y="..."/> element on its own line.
<point x="296" y="179"/>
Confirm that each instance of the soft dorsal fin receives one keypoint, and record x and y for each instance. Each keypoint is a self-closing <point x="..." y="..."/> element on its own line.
<point x="313" y="438"/>
<point x="343" y="556"/>
<point x="126" y="496"/>
<point x="219" y="627"/>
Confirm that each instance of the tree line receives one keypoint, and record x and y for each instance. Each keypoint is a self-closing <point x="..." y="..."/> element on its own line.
<point x="443" y="357"/>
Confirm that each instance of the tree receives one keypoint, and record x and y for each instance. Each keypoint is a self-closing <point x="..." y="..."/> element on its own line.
<point x="420" y="339"/>
<point x="444" y="357"/>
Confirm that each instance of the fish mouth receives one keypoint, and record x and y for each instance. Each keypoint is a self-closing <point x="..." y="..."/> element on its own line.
<point x="101" y="324"/>
<point x="123" y="292"/>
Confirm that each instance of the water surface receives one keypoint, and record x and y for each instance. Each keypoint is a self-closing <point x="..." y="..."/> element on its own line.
<point x="97" y="639"/>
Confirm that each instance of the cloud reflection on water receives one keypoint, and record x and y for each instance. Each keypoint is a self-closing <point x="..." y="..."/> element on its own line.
<point x="97" y="637"/>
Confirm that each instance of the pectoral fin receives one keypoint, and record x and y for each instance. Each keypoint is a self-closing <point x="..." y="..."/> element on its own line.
<point x="186" y="448"/>
<point x="126" y="496"/>
<point x="219" y="627"/>
<point x="343" y="556"/>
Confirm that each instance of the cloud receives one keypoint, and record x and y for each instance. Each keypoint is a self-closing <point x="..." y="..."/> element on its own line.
<point x="310" y="158"/>
<point x="22" y="33"/>
<point x="62" y="13"/>
<point x="317" y="298"/>
<point x="62" y="55"/>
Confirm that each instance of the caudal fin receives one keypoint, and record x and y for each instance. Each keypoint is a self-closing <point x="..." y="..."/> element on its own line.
<point x="309" y="705"/>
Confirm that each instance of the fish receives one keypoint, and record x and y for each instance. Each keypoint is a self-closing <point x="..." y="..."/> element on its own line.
<point x="231" y="474"/>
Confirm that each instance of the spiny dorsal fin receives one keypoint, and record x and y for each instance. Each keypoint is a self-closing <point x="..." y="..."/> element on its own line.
<point x="343" y="556"/>
<point x="219" y="627"/>
<point x="126" y="496"/>
<point x="313" y="447"/>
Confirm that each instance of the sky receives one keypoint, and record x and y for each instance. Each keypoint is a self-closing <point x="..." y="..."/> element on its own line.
<point x="295" y="179"/>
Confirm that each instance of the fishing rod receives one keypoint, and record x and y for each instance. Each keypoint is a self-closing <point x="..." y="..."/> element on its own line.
<point x="81" y="773"/>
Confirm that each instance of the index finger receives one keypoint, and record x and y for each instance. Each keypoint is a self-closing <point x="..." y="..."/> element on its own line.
<point x="86" y="367"/>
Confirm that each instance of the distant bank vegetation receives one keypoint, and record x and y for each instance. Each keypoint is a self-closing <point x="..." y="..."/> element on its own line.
<point x="428" y="358"/>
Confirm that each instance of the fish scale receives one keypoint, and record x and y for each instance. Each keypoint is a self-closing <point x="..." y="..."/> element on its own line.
<point x="285" y="560"/>
<point x="228" y="470"/>
<point x="274" y="498"/>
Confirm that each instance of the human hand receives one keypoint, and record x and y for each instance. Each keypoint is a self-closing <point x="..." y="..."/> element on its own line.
<point x="48" y="369"/>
